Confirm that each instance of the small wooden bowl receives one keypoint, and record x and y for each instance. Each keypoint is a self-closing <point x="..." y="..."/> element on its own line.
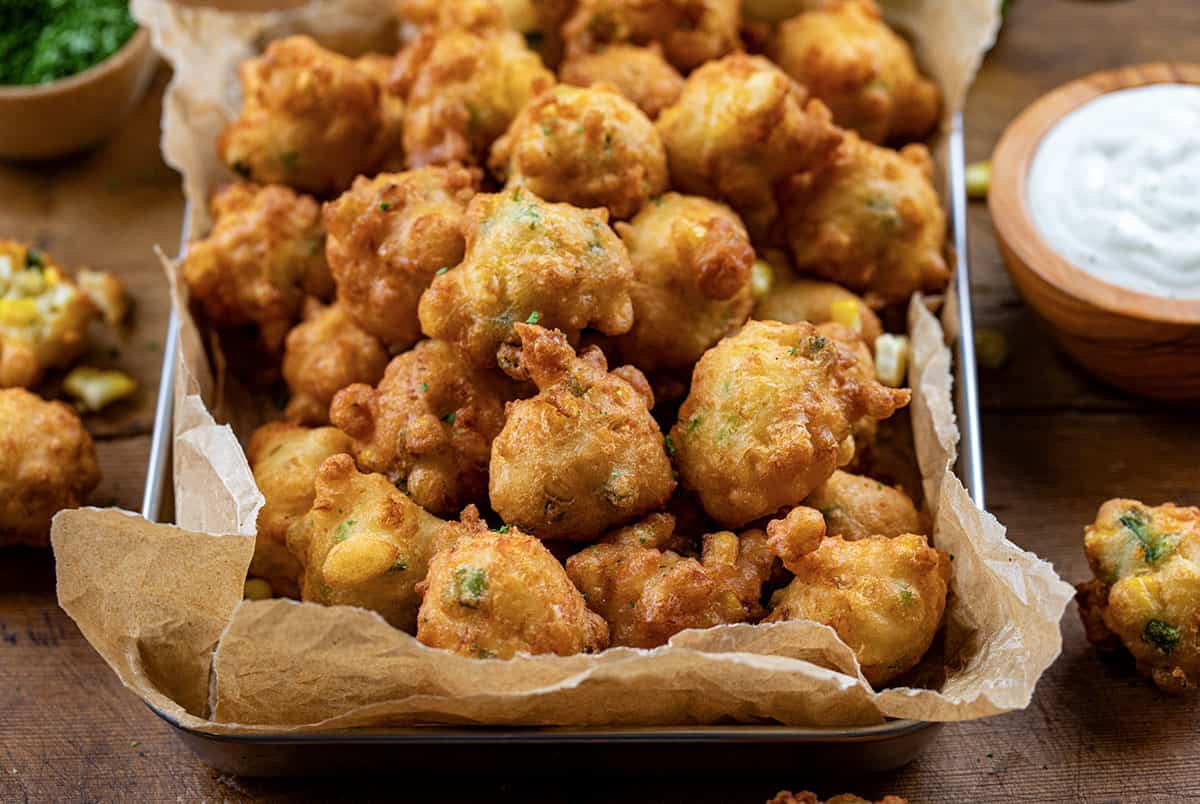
<point x="1147" y="345"/>
<point x="48" y="120"/>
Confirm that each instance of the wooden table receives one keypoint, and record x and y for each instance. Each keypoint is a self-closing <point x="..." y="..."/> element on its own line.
<point x="1056" y="445"/>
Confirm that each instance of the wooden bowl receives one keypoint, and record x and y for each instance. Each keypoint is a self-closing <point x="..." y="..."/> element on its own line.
<point x="1147" y="345"/>
<point x="48" y="120"/>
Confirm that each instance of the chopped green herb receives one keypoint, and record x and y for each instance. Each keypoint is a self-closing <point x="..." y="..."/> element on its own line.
<point x="533" y="317"/>
<point x="503" y="528"/>
<point x="134" y="743"/>
<point x="470" y="586"/>
<point x="669" y="444"/>
<point x="441" y="270"/>
<point x="33" y="259"/>
<point x="424" y="387"/>
<point x="1162" y="635"/>
<point x="484" y="653"/>
<point x="45" y="40"/>
<point x="400" y="565"/>
<point x="907" y="595"/>
<point x="1155" y="547"/>
<point x="384" y="206"/>
<point x="795" y="350"/>
<point x="632" y="604"/>
<point x="693" y="424"/>
<point x="343" y="531"/>
<point x="449" y="418"/>
<point x="534" y="39"/>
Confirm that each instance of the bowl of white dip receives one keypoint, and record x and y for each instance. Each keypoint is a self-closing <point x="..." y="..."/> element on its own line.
<point x="1095" y="199"/>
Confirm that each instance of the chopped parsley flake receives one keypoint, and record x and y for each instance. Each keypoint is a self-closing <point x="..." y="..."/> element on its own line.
<point x="1155" y="547"/>
<point x="33" y="259"/>
<point x="669" y="444"/>
<point x="424" y="387"/>
<point x="400" y="565"/>
<point x="343" y="531"/>
<point x="693" y="424"/>
<point x="907" y="595"/>
<point x="384" y="206"/>
<point x="441" y="271"/>
<point x="533" y="317"/>
<point x="470" y="585"/>
<point x="449" y="418"/>
<point x="1162" y="635"/>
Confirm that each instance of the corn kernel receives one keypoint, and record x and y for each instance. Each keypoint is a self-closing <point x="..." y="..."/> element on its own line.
<point x="98" y="388"/>
<point x="979" y="180"/>
<point x="846" y="313"/>
<point x="52" y="276"/>
<point x="762" y="277"/>
<point x="891" y="359"/>
<point x="257" y="589"/>
<point x="19" y="312"/>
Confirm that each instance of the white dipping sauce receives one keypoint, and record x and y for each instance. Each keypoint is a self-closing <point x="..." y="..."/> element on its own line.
<point x="1115" y="189"/>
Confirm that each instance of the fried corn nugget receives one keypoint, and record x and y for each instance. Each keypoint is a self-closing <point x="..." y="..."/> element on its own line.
<point x="817" y="301"/>
<point x="871" y="221"/>
<point x="364" y="543"/>
<point x="769" y="415"/>
<point x="691" y="261"/>
<point x="856" y="507"/>
<point x="47" y="463"/>
<point x="494" y="594"/>
<point x="391" y="111"/>
<point x="529" y="260"/>
<point x="648" y="593"/>
<point x="587" y="147"/>
<point x="1146" y="592"/>
<point x="265" y="252"/>
<point x="310" y="118"/>
<point x="691" y="32"/>
<point x="388" y="238"/>
<point x="584" y="454"/>
<point x="847" y="56"/>
<point x="324" y="354"/>
<point x="806" y="797"/>
<point x="465" y="80"/>
<point x="429" y="425"/>
<point x="739" y="131"/>
<point x="639" y="72"/>
<point x="539" y="21"/>
<point x="285" y="459"/>
<point x="44" y="316"/>
<point x="884" y="598"/>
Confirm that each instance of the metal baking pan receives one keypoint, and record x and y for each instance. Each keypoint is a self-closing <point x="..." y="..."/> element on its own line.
<point x="726" y="747"/>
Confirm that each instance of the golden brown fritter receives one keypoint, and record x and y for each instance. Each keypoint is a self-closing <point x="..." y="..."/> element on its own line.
<point x="639" y="72"/>
<point x="691" y="262"/>
<point x="847" y="56"/>
<point x="429" y="425"/>
<point x="872" y="222"/>
<point x="265" y="252"/>
<point x="494" y="594"/>
<point x="1146" y="592"/>
<point x="464" y="81"/>
<point x="285" y="459"/>
<point x="739" y="131"/>
<point x="856" y="507"/>
<point x="691" y="32"/>
<point x="528" y="260"/>
<point x="584" y="454"/>
<point x="389" y="236"/>
<point x="587" y="147"/>
<point x="806" y="797"/>
<point x="310" y="119"/>
<point x="884" y="598"/>
<point x="47" y="463"/>
<point x="324" y="354"/>
<point x="391" y="111"/>
<point x="364" y="543"/>
<point x="539" y="21"/>
<point x="769" y="414"/>
<point x="793" y="299"/>
<point x="44" y="316"/>
<point x="648" y="593"/>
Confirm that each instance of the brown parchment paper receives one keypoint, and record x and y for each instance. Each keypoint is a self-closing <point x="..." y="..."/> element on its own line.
<point x="162" y="604"/>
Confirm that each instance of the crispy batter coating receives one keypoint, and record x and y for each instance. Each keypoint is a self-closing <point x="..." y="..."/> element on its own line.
<point x="389" y="236"/>
<point x="806" y="797"/>
<point x="639" y="72"/>
<point x="364" y="543"/>
<point x="528" y="260"/>
<point x="285" y="459"/>
<point x="323" y="355"/>
<point x="47" y="463"/>
<point x="584" y="454"/>
<point x="310" y="118"/>
<point x="740" y="130"/>
<point x="494" y="594"/>
<point x="265" y="252"/>
<point x="648" y="593"/>
<point x="44" y="316"/>
<point x="1146" y="592"/>
<point x="429" y="425"/>
<point x="691" y="32"/>
<point x="871" y="222"/>
<point x="391" y="110"/>
<point x="793" y="299"/>
<point x="465" y="80"/>
<point x="856" y="507"/>
<point x="691" y="261"/>
<point x="769" y="413"/>
<point x="847" y="56"/>
<point x="587" y="147"/>
<point x="884" y="597"/>
<point x="539" y="21"/>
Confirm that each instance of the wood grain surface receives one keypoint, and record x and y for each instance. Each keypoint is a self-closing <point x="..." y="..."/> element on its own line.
<point x="1056" y="445"/>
